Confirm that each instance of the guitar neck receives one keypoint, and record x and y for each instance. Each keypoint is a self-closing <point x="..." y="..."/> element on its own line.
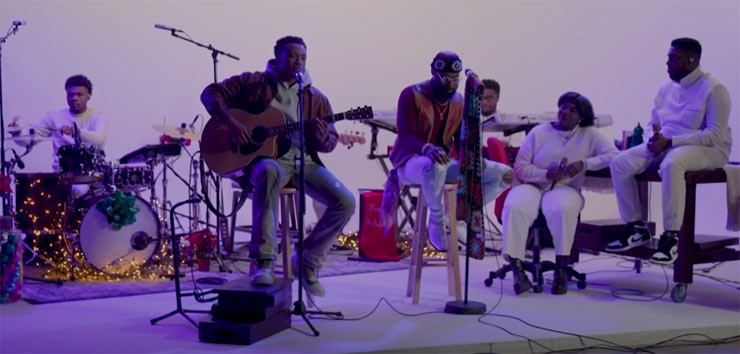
<point x="291" y="127"/>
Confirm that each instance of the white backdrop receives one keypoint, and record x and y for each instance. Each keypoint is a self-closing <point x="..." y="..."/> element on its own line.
<point x="362" y="53"/>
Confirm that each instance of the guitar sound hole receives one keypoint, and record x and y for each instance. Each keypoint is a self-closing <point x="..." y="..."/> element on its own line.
<point x="259" y="135"/>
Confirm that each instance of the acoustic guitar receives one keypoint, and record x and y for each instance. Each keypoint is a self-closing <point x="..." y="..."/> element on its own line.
<point x="269" y="138"/>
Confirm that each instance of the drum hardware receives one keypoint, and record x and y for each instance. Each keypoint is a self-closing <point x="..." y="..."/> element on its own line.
<point x="183" y="131"/>
<point x="140" y="240"/>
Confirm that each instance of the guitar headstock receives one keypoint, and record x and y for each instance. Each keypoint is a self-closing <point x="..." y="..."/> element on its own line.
<point x="359" y="113"/>
<point x="349" y="139"/>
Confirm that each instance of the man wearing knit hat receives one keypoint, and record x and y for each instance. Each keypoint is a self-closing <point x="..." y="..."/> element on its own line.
<point x="429" y="122"/>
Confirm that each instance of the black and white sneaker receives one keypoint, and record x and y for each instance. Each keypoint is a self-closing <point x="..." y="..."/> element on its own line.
<point x="639" y="237"/>
<point x="667" y="249"/>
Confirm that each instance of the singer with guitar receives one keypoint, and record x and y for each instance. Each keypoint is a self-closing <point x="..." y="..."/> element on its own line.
<point x="549" y="171"/>
<point x="263" y="96"/>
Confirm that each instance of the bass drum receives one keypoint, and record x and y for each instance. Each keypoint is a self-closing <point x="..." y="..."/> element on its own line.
<point x="117" y="251"/>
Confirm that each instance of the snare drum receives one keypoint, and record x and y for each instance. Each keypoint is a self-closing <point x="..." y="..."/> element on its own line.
<point x="133" y="178"/>
<point x="80" y="164"/>
<point x="116" y="251"/>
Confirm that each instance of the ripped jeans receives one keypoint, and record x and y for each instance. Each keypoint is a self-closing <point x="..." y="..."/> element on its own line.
<point x="432" y="177"/>
<point x="267" y="176"/>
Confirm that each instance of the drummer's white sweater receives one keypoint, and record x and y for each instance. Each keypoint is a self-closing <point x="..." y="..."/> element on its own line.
<point x="92" y="124"/>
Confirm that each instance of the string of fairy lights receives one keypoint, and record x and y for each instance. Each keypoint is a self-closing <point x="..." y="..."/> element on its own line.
<point x="403" y="240"/>
<point x="55" y="239"/>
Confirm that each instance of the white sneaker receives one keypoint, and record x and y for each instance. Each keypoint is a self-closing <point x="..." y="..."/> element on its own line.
<point x="310" y="278"/>
<point x="462" y="232"/>
<point x="263" y="274"/>
<point x="438" y="236"/>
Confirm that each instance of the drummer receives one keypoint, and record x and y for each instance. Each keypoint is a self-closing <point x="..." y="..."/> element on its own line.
<point x="91" y="124"/>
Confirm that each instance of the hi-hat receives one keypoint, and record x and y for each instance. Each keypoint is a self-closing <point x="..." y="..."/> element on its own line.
<point x="181" y="132"/>
<point x="28" y="138"/>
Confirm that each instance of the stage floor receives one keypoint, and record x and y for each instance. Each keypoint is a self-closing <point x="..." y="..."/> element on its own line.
<point x="122" y="324"/>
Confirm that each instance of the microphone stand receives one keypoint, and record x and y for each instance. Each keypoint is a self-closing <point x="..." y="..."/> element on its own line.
<point x="3" y="164"/>
<point x="214" y="52"/>
<point x="299" y="307"/>
<point x="219" y="201"/>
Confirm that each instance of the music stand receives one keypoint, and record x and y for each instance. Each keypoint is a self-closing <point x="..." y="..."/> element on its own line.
<point x="176" y="260"/>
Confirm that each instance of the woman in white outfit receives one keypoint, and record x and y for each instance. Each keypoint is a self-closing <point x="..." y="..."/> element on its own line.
<point x="549" y="172"/>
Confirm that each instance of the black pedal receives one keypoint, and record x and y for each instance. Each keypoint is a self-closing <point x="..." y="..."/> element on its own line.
<point x="211" y="330"/>
<point x="245" y="313"/>
<point x="240" y="301"/>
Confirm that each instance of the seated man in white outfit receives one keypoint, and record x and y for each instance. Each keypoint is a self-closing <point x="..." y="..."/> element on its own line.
<point x="691" y="112"/>
<point x="550" y="171"/>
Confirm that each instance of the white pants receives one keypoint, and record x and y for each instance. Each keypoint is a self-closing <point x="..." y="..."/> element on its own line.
<point x="432" y="177"/>
<point x="673" y="165"/>
<point x="560" y="206"/>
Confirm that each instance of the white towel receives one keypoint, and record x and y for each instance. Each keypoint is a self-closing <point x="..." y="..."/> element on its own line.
<point x="733" y="196"/>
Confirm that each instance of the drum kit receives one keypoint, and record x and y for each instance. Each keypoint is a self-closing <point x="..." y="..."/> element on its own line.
<point x="63" y="206"/>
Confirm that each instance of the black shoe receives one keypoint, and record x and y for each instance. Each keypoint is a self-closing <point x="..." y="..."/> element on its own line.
<point x="521" y="282"/>
<point x="640" y="236"/>
<point x="667" y="248"/>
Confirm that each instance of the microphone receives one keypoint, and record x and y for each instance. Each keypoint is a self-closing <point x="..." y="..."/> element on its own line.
<point x="19" y="23"/>
<point x="18" y="160"/>
<point x="140" y="240"/>
<point x="192" y="124"/>
<point x="167" y="28"/>
<point x="299" y="77"/>
<point x="563" y="162"/>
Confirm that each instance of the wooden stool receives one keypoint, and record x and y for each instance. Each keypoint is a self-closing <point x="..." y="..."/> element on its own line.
<point x="288" y="226"/>
<point x="419" y="240"/>
<point x="288" y="199"/>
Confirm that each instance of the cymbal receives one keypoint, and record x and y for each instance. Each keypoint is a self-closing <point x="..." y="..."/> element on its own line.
<point x="181" y="132"/>
<point x="28" y="138"/>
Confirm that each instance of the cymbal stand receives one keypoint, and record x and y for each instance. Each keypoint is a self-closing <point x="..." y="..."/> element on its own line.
<point x="160" y="207"/>
<point x="3" y="165"/>
<point x="194" y="210"/>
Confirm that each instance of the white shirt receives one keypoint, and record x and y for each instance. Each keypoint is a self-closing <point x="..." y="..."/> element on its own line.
<point x="545" y="146"/>
<point x="92" y="124"/>
<point x="694" y="111"/>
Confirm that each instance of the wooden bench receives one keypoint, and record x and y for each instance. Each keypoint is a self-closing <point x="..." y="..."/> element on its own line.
<point x="692" y="248"/>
